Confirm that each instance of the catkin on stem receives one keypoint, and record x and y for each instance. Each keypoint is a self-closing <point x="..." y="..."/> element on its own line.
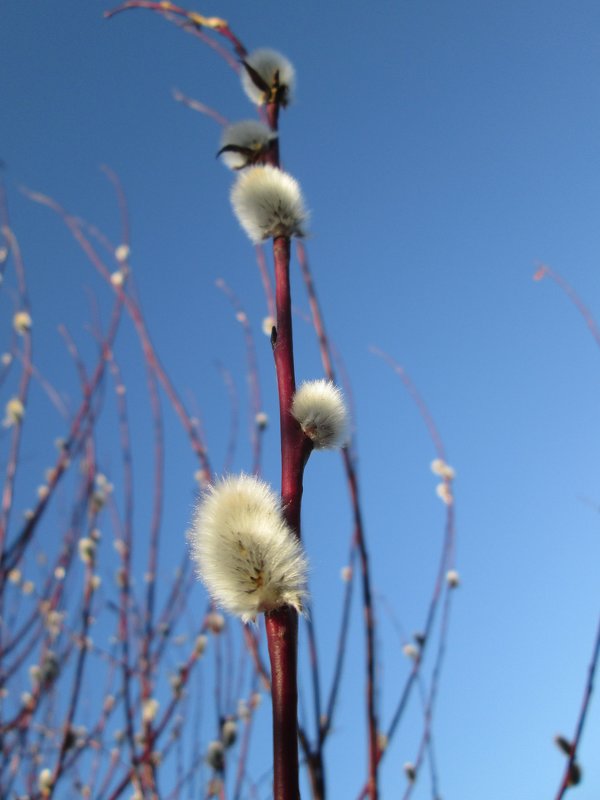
<point x="247" y="556"/>
<point x="268" y="203"/>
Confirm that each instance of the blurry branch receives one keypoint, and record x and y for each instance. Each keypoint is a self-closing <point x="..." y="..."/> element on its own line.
<point x="442" y="579"/>
<point x="358" y="542"/>
<point x="26" y="637"/>
<point x="266" y="282"/>
<point x="572" y="769"/>
<point x="19" y="402"/>
<point x="196" y="105"/>
<point x="196" y="20"/>
<point x="258" y="419"/>
<point x="234" y="424"/>
<point x="412" y="768"/>
<point x="123" y="207"/>
<point x="69" y="448"/>
<point x="137" y="318"/>
<point x="124" y="552"/>
<point x="572" y="773"/>
<point x="545" y="271"/>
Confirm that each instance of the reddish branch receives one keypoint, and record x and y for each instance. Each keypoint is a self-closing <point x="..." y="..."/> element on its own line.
<point x="282" y="636"/>
<point x="587" y="696"/>
<point x="234" y="423"/>
<point x="121" y="772"/>
<point x="196" y="105"/>
<point x="589" y="320"/>
<point x="326" y="722"/>
<point x="446" y="560"/>
<point x="148" y="628"/>
<point x="426" y="736"/>
<point x="295" y="448"/>
<point x="138" y="320"/>
<point x="360" y="543"/>
<point x="282" y="625"/>
<point x="72" y="442"/>
<point x="122" y="201"/>
<point x="266" y="280"/>
<point x="125" y="553"/>
<point x="253" y="649"/>
<point x="16" y="438"/>
<point x="212" y="23"/>
<point x="256" y="430"/>
<point x="584" y="311"/>
<point x="13" y="456"/>
<point x="77" y="685"/>
<point x="155" y="370"/>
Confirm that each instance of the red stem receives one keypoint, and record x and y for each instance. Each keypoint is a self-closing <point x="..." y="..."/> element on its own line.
<point x="282" y="636"/>
<point x="282" y="625"/>
<point x="295" y="447"/>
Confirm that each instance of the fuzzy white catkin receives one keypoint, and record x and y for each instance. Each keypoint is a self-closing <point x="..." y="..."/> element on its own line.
<point x="14" y="412"/>
<point x="246" y="555"/>
<point x="266" y="63"/>
<point x="453" y="579"/>
<point x="268" y="203"/>
<point x="22" y="322"/>
<point x="248" y="134"/>
<point x="320" y="409"/>
<point x="45" y="782"/>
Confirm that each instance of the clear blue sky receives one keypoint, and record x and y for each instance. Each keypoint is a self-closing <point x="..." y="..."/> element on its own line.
<point x="444" y="150"/>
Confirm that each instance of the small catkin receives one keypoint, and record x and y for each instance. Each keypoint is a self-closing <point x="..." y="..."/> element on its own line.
<point x="267" y="203"/>
<point x="267" y="64"/>
<point x="14" y="412"/>
<point x="453" y="579"/>
<point x="244" y="142"/>
<point x="22" y="322"/>
<point x="319" y="408"/>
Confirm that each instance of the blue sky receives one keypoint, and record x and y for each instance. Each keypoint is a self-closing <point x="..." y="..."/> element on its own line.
<point x="444" y="151"/>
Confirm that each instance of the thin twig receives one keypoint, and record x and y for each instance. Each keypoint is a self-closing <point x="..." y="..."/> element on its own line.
<point x="359" y="541"/>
